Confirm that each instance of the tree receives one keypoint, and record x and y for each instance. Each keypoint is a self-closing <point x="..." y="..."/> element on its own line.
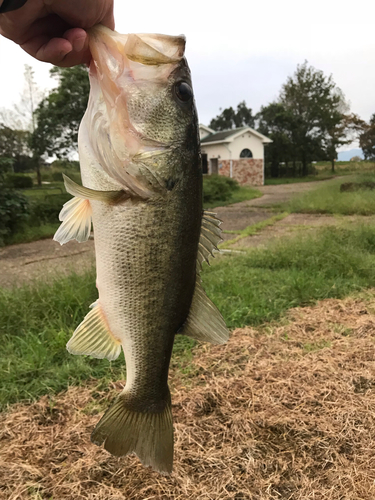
<point x="275" y="122"/>
<point x="317" y="106"/>
<point x="18" y="125"/>
<point x="367" y="139"/>
<point x="14" y="145"/>
<point x="342" y="128"/>
<point x="60" y="113"/>
<point x="229" y="118"/>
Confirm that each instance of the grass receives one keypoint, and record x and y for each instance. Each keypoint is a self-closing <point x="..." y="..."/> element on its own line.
<point x="253" y="229"/>
<point x="262" y="284"/>
<point x="324" y="172"/>
<point x="345" y="167"/>
<point x="295" y="180"/>
<point x="327" y="199"/>
<point x="249" y="289"/>
<point x="244" y="193"/>
<point x="33" y="233"/>
<point x="37" y="193"/>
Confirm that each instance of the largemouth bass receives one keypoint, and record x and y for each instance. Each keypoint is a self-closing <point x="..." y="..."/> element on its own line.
<point x="142" y="191"/>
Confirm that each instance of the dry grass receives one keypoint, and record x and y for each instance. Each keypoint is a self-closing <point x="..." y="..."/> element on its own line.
<point x="283" y="412"/>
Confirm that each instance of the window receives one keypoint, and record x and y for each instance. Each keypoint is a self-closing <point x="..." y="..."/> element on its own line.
<point x="246" y="153"/>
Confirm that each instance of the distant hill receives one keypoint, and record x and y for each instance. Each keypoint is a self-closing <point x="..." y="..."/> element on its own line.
<point x="346" y="155"/>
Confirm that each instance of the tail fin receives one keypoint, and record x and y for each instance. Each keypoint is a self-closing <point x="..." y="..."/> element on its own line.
<point x="148" y="435"/>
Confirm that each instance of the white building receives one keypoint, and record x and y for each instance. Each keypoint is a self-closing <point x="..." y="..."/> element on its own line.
<point x="237" y="153"/>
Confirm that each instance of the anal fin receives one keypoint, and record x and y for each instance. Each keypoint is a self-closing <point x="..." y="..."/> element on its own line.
<point x="204" y="321"/>
<point x="76" y="216"/>
<point x="93" y="337"/>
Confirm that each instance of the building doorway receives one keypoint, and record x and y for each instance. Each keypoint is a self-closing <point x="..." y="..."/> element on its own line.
<point x="214" y="166"/>
<point x="204" y="164"/>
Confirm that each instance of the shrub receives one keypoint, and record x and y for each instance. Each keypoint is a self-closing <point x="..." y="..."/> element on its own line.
<point x="14" y="211"/>
<point x="19" y="181"/>
<point x="47" y="210"/>
<point x="218" y="188"/>
<point x="56" y="176"/>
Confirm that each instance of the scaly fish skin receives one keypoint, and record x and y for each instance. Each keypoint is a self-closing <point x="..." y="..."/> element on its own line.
<point x="142" y="185"/>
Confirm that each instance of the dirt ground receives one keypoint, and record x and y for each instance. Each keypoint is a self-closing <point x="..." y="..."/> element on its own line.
<point x="288" y="227"/>
<point x="284" y="412"/>
<point x="23" y="263"/>
<point x="274" y="195"/>
<point x="20" y="264"/>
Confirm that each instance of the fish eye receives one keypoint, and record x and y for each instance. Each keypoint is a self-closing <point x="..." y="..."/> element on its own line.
<point x="183" y="91"/>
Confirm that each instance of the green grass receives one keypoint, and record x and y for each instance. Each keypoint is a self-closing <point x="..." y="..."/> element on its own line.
<point x="323" y="171"/>
<point x="33" y="233"/>
<point x="295" y="180"/>
<point x="37" y="193"/>
<point x="249" y="289"/>
<point x="345" y="167"/>
<point x="260" y="285"/>
<point x="244" y="193"/>
<point x="327" y="199"/>
<point x="253" y="229"/>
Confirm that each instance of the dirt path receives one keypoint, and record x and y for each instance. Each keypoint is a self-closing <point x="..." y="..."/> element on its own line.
<point x="20" y="264"/>
<point x="274" y="195"/>
<point x="23" y="263"/>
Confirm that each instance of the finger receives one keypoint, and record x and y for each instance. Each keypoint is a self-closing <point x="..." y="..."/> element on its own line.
<point x="69" y="50"/>
<point x="78" y="38"/>
<point x="109" y="20"/>
<point x="46" y="49"/>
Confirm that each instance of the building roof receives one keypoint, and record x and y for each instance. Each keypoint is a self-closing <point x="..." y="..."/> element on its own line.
<point x="230" y="135"/>
<point x="206" y="129"/>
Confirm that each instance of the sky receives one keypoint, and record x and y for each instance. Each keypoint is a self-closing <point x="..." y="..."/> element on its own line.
<point x="242" y="50"/>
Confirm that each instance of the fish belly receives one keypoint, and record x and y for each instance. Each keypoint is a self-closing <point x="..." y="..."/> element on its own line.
<point x="145" y="258"/>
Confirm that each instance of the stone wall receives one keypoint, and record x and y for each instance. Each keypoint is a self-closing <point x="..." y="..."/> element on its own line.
<point x="246" y="171"/>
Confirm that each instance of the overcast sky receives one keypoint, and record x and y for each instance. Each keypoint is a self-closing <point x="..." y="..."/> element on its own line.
<point x="242" y="50"/>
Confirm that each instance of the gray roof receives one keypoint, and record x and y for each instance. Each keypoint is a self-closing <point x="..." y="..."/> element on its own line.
<point x="220" y="136"/>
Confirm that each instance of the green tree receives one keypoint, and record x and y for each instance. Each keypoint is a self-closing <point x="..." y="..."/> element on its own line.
<point x="342" y="128"/>
<point x="275" y="122"/>
<point x="229" y="118"/>
<point x="367" y="139"/>
<point x="14" y="145"/>
<point x="60" y="113"/>
<point x="317" y="105"/>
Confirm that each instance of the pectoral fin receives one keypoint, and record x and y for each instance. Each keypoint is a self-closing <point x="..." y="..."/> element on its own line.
<point x="76" y="216"/>
<point x="111" y="197"/>
<point x="205" y="322"/>
<point x="93" y="337"/>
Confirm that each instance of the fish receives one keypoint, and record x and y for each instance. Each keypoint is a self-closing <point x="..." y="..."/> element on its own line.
<point x="141" y="192"/>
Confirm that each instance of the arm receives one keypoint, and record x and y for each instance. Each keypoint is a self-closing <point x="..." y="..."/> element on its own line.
<point x="54" y="31"/>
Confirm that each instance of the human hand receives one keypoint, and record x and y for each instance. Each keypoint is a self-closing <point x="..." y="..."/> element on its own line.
<point x="54" y="31"/>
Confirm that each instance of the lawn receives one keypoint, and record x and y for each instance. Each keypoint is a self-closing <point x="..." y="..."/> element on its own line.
<point x="44" y="191"/>
<point x="249" y="289"/>
<point x="323" y="171"/>
<point x="244" y="193"/>
<point x="327" y="199"/>
<point x="295" y="180"/>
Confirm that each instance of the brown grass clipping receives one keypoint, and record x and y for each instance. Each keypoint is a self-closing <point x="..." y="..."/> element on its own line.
<point x="284" y="412"/>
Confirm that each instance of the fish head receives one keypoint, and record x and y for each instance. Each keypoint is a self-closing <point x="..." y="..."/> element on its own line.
<point x="141" y="104"/>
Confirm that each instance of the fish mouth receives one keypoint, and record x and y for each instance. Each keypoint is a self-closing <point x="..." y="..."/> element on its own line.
<point x="144" y="48"/>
